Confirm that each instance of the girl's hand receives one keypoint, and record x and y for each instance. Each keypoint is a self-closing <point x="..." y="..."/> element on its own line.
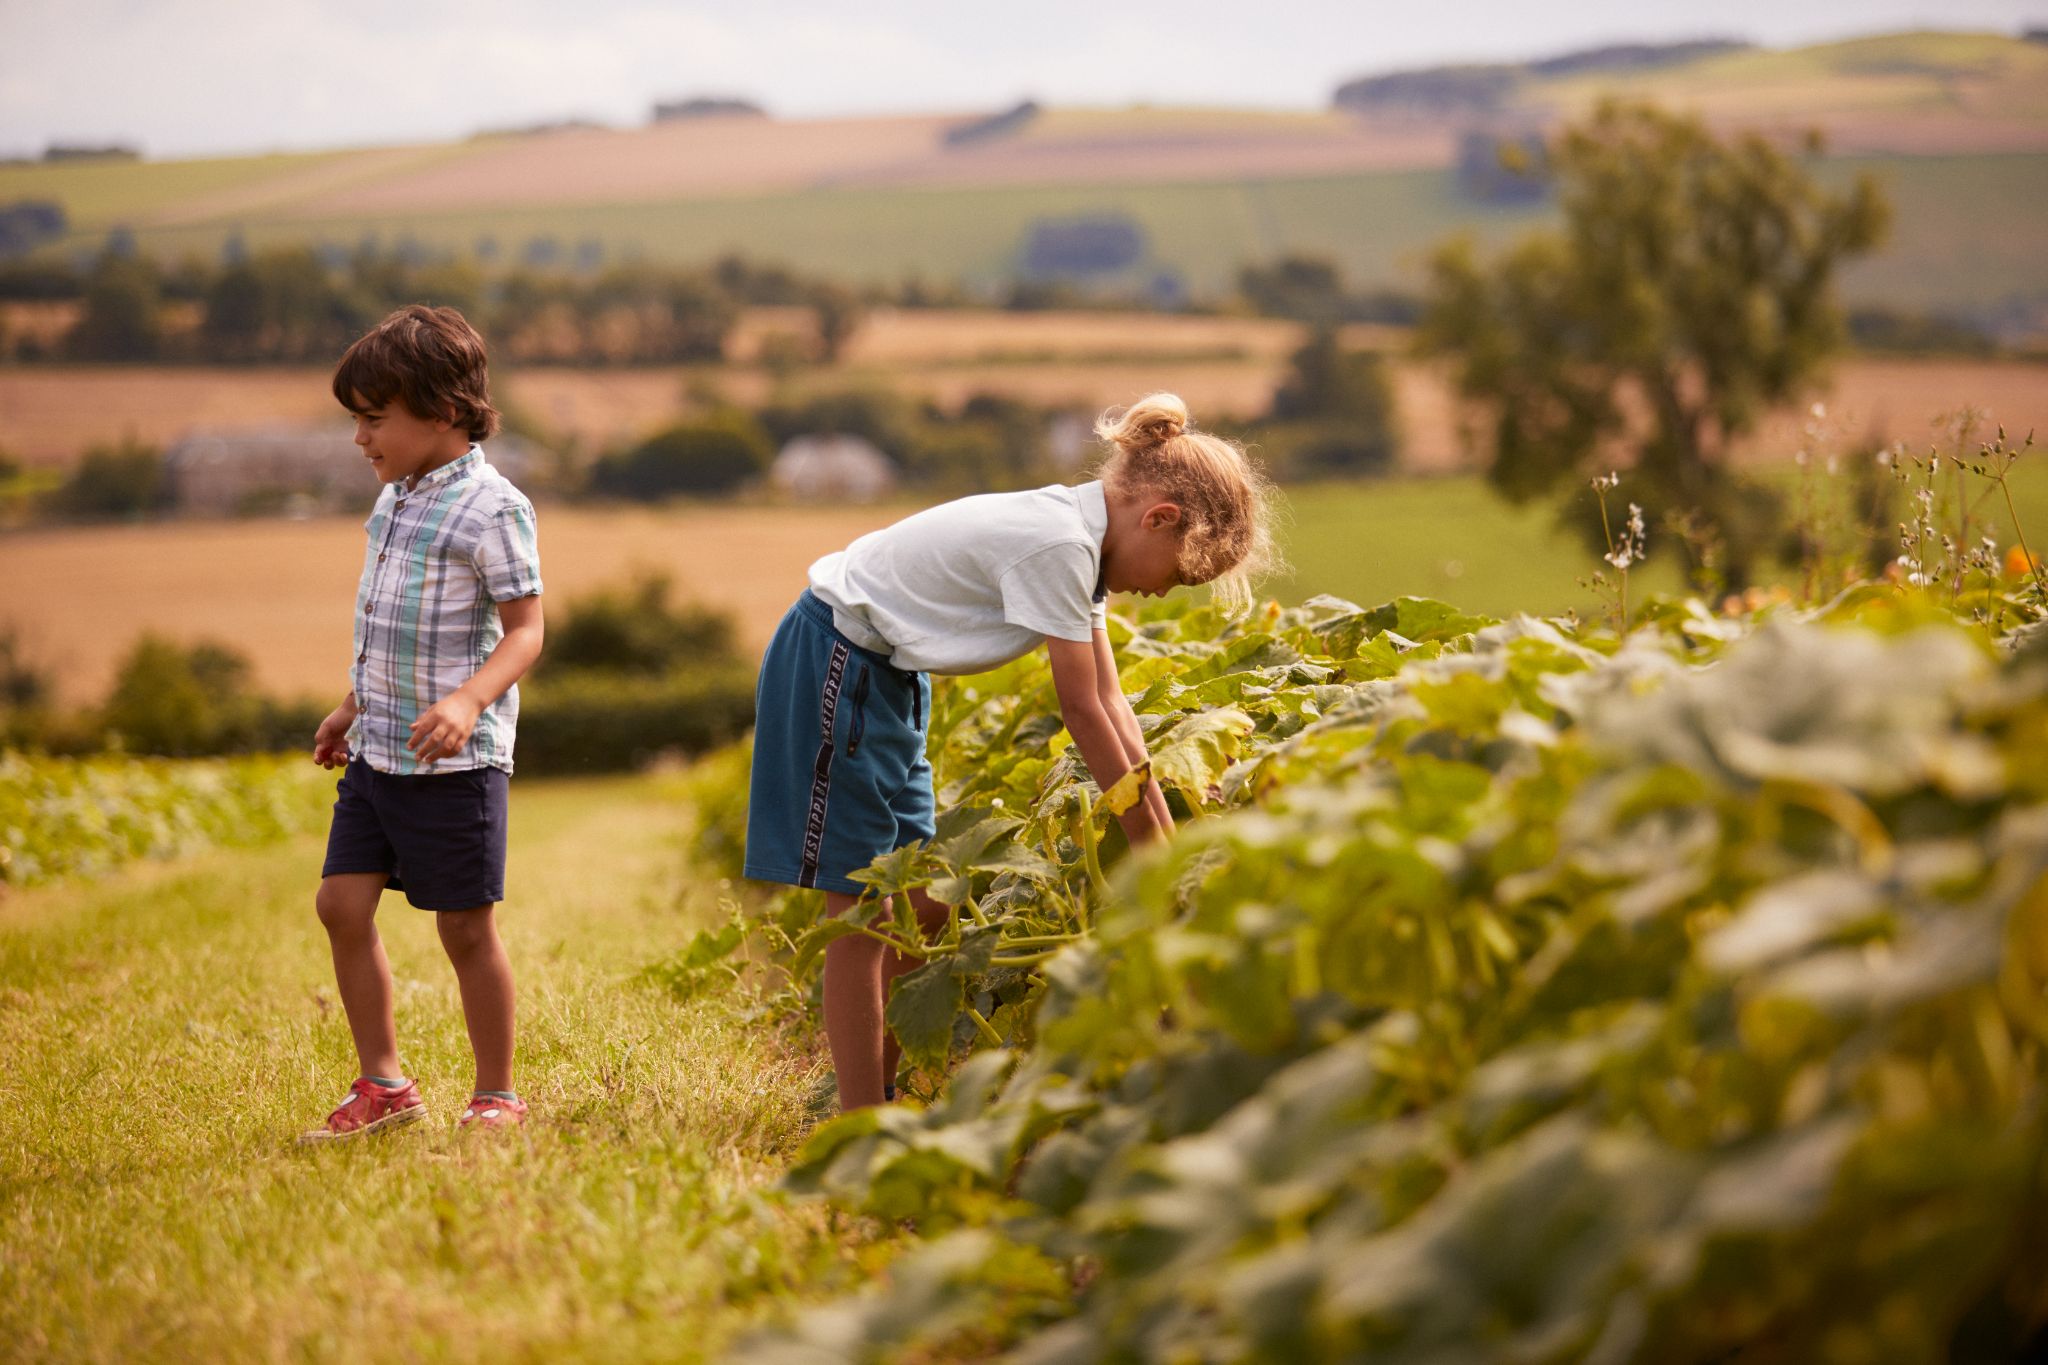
<point x="443" y="728"/>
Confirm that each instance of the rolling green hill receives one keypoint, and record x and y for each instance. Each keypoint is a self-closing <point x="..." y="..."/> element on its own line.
<point x="1956" y="124"/>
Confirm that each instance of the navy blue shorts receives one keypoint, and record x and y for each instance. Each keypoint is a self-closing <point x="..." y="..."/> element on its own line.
<point x="438" y="837"/>
<point x="840" y="775"/>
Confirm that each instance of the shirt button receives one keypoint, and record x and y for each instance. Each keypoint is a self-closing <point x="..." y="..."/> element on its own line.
<point x="400" y="507"/>
<point x="370" y="609"/>
<point x="363" y="656"/>
<point x="380" y="559"/>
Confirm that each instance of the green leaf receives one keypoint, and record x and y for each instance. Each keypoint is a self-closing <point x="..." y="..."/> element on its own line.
<point x="1422" y="619"/>
<point x="816" y="938"/>
<point x="1195" y="753"/>
<point x="896" y="871"/>
<point x="922" y="1007"/>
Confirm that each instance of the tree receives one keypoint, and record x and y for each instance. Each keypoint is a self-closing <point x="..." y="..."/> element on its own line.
<point x="1688" y="291"/>
<point x="840" y="314"/>
<point x="1310" y="288"/>
<point x="120" y="319"/>
<point x="1340" y="406"/>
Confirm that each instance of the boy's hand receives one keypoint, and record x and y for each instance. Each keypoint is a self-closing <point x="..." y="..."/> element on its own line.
<point x="443" y="728"/>
<point x="330" y="741"/>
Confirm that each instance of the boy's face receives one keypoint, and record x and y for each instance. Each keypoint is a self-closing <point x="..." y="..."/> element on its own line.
<point x="400" y="444"/>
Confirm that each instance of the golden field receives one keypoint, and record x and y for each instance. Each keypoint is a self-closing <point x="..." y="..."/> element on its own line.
<point x="282" y="591"/>
<point x="1225" y="367"/>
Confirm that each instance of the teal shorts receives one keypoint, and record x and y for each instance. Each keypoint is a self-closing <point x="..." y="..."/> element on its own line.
<point x="840" y="774"/>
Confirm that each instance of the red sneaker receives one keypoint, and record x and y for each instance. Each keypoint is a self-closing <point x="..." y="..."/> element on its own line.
<point x="492" y="1111"/>
<point x="370" y="1108"/>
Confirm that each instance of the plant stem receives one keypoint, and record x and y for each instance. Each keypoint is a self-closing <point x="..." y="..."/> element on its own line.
<point x="986" y="1029"/>
<point x="2033" y="565"/>
<point x="1041" y="940"/>
<point x="1096" y="881"/>
<point x="1025" y="960"/>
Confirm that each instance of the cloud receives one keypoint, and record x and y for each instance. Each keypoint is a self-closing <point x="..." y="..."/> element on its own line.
<point x="190" y="76"/>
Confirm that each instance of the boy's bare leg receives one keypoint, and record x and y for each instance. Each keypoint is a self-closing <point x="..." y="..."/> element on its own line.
<point x="484" y="974"/>
<point x="932" y="917"/>
<point x="347" y="903"/>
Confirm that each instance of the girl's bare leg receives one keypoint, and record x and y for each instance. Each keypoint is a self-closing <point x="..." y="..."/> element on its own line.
<point x="858" y="971"/>
<point x="932" y="918"/>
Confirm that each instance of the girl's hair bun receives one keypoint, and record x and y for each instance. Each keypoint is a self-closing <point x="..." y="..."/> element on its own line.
<point x="1226" y="504"/>
<point x="1149" y="422"/>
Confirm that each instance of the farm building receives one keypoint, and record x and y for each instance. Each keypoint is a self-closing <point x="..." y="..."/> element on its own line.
<point x="295" y="470"/>
<point x="833" y="466"/>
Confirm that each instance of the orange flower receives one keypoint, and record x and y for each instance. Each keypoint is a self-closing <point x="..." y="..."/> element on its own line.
<point x="2019" y="564"/>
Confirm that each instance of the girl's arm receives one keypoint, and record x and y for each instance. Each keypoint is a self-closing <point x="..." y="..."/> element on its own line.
<point x="1075" y="679"/>
<point x="1125" y="721"/>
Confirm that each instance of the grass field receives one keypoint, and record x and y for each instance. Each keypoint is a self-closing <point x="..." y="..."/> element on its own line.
<point x="168" y="1030"/>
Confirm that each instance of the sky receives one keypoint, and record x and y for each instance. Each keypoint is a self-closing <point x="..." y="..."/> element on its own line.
<point x="207" y="77"/>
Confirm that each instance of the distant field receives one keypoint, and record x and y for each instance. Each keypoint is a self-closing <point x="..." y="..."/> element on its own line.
<point x="281" y="591"/>
<point x="1908" y="92"/>
<point x="1965" y="236"/>
<point x="1957" y="125"/>
<point x="1919" y="93"/>
<point x="1223" y="367"/>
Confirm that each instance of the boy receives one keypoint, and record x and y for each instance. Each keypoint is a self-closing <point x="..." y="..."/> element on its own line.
<point x="448" y="618"/>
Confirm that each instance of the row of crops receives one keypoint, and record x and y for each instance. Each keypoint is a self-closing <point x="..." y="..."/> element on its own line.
<point x="63" y="817"/>
<point x="1517" y="992"/>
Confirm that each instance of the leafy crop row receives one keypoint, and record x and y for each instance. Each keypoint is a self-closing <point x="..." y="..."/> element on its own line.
<point x="1518" y="992"/>
<point x="68" y="817"/>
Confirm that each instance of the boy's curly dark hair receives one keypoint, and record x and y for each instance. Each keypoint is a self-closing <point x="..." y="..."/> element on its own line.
<point x="430" y="359"/>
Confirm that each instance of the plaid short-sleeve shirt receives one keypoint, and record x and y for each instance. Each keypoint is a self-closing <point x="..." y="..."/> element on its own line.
<point x="441" y="556"/>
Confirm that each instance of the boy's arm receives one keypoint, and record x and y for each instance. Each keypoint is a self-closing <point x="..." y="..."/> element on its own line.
<point x="444" y="727"/>
<point x="1075" y="679"/>
<point x="1125" y="721"/>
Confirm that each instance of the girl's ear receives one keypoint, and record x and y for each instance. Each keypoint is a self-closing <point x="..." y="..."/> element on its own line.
<point x="1160" y="515"/>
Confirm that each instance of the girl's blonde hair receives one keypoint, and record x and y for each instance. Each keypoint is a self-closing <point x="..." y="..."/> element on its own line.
<point x="1225" y="502"/>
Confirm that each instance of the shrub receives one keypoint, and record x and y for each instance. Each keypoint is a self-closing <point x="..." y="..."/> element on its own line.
<point x="78" y="817"/>
<point x="635" y="630"/>
<point x="121" y="480"/>
<point x="184" y="700"/>
<point x="595" y="722"/>
<point x="713" y="455"/>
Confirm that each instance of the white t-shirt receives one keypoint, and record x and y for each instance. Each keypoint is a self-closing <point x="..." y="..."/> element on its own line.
<point x="968" y="585"/>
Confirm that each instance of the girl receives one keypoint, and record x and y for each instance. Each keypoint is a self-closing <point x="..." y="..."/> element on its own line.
<point x="840" y="775"/>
